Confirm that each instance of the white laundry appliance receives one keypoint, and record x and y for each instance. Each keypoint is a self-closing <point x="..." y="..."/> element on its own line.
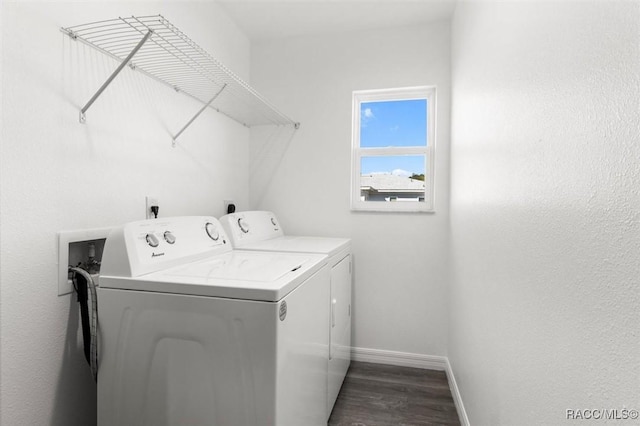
<point x="194" y="333"/>
<point x="261" y="231"/>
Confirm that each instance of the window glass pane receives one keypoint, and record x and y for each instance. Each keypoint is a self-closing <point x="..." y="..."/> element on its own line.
<point x="393" y="178"/>
<point x="393" y="123"/>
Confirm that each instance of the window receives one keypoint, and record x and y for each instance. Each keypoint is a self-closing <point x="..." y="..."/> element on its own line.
<point x="392" y="149"/>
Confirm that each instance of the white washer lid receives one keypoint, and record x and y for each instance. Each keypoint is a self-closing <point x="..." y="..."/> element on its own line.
<point x="300" y="244"/>
<point x="266" y="276"/>
<point x="240" y="266"/>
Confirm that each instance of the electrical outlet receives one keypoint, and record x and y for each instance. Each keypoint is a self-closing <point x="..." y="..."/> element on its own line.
<point x="151" y="201"/>
<point x="226" y="205"/>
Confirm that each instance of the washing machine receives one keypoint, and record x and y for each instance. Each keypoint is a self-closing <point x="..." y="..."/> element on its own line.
<point x="261" y="231"/>
<point x="192" y="332"/>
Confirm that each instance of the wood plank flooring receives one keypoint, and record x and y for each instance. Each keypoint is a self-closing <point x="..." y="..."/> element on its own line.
<point x="385" y="395"/>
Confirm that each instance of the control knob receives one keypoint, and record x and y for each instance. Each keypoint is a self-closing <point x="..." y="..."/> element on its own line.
<point x="244" y="226"/>
<point x="169" y="237"/>
<point x="152" y="240"/>
<point x="212" y="231"/>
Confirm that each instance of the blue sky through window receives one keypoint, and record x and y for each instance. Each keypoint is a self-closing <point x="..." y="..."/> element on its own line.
<point x="400" y="123"/>
<point x="393" y="123"/>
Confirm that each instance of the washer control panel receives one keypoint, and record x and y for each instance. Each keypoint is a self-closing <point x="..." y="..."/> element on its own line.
<point x="172" y="232"/>
<point x="153" y="244"/>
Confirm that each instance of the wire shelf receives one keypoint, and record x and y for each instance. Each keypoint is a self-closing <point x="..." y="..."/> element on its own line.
<point x="155" y="47"/>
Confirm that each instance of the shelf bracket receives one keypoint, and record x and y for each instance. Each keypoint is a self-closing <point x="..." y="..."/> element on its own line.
<point x="173" y="144"/>
<point x="113" y="75"/>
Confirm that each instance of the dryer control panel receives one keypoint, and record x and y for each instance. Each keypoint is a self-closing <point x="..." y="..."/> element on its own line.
<point x="251" y="226"/>
<point x="146" y="246"/>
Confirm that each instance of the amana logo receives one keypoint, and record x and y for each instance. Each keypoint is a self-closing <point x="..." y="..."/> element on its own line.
<point x="157" y="254"/>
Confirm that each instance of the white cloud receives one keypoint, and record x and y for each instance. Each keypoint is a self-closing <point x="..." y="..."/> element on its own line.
<point x="366" y="116"/>
<point x="368" y="113"/>
<point x="401" y="172"/>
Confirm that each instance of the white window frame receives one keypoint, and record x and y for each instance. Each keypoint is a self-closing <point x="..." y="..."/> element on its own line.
<point x="400" y="94"/>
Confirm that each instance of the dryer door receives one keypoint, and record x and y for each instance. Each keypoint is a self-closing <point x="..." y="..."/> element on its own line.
<point x="340" y="343"/>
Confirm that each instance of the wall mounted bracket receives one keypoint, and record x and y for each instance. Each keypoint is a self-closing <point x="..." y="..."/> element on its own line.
<point x="113" y="75"/>
<point x="173" y="144"/>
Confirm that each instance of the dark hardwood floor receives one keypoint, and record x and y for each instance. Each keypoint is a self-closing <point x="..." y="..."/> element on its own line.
<point x="385" y="395"/>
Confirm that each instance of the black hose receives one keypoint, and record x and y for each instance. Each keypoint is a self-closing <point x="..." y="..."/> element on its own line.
<point x="86" y="289"/>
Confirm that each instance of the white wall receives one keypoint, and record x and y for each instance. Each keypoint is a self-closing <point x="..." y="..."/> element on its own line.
<point x="545" y="225"/>
<point x="58" y="174"/>
<point x="400" y="259"/>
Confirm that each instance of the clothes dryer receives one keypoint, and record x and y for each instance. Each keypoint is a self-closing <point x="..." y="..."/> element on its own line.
<point x="194" y="333"/>
<point x="261" y="231"/>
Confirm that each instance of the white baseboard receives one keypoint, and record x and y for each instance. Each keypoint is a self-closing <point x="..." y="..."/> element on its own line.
<point x="457" y="398"/>
<point x="405" y="359"/>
